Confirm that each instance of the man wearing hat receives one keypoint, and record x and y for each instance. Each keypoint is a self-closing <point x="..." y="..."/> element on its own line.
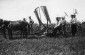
<point x="73" y="25"/>
<point x="24" y="19"/>
<point x="57" y="26"/>
<point x="31" y="22"/>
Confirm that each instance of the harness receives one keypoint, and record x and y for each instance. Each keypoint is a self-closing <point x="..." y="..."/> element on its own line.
<point x="2" y="24"/>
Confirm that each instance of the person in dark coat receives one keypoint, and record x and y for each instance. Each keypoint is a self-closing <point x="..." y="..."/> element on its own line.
<point x="31" y="22"/>
<point x="73" y="25"/>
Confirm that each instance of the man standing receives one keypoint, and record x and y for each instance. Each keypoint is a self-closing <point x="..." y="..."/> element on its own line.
<point x="31" y="22"/>
<point x="73" y="25"/>
<point x="63" y="25"/>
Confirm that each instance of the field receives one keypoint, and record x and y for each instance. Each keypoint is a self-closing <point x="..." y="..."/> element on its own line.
<point x="43" y="46"/>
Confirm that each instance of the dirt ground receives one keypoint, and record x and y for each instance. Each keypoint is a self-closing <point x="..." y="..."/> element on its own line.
<point x="43" y="46"/>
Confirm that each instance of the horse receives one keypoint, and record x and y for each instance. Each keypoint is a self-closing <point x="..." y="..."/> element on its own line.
<point x="19" y="25"/>
<point x="3" y="27"/>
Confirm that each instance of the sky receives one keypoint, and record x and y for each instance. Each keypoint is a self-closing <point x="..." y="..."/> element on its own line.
<point x="19" y="9"/>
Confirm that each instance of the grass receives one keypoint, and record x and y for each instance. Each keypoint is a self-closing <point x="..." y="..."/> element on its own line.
<point x="44" y="46"/>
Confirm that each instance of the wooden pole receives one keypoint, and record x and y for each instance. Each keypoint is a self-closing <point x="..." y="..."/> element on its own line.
<point x="47" y="26"/>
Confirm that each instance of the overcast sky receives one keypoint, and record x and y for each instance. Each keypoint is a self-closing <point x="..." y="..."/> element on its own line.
<point x="19" y="9"/>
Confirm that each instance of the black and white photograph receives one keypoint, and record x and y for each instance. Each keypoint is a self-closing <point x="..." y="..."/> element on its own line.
<point x="42" y="27"/>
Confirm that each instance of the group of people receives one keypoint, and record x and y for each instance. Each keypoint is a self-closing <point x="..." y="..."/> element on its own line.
<point x="61" y="25"/>
<point x="24" y="26"/>
<point x="31" y="22"/>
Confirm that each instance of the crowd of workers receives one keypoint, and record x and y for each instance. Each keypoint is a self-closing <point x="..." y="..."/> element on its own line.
<point x="60" y="25"/>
